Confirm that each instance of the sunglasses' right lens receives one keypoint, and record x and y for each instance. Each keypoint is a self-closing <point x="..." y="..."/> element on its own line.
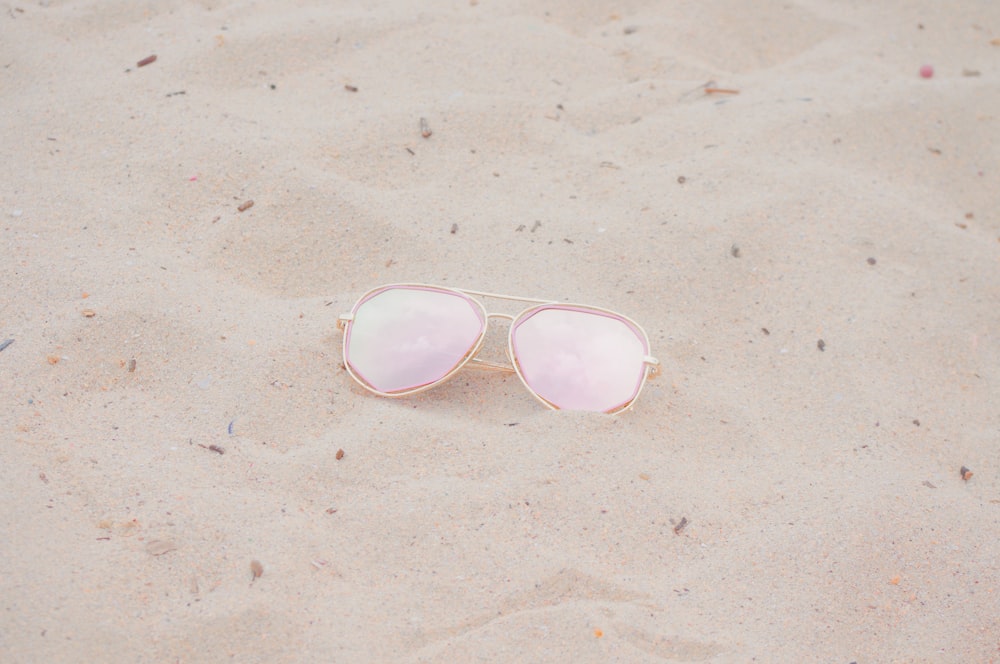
<point x="579" y="358"/>
<point x="403" y="338"/>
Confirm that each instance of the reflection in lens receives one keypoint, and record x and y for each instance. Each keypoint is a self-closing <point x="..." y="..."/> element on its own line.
<point x="405" y="337"/>
<point x="579" y="359"/>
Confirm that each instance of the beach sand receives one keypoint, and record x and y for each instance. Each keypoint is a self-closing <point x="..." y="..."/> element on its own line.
<point x="744" y="183"/>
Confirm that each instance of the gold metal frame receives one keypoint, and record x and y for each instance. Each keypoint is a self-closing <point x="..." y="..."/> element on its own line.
<point x="471" y="361"/>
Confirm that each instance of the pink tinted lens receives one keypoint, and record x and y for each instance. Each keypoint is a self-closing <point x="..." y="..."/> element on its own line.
<point x="406" y="337"/>
<point x="580" y="359"/>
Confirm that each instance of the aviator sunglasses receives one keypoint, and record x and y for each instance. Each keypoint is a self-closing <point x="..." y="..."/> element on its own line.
<point x="405" y="338"/>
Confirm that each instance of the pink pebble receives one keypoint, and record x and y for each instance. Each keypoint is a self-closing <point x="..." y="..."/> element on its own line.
<point x="926" y="71"/>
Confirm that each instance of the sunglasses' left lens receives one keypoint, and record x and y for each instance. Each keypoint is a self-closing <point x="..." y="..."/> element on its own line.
<point x="403" y="338"/>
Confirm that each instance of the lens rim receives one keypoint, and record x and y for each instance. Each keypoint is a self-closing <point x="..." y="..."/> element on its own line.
<point x="650" y="366"/>
<point x="348" y="325"/>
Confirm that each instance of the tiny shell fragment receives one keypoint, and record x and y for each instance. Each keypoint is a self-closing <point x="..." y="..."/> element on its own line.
<point x="159" y="547"/>
<point x="256" y="569"/>
<point x="88" y="313"/>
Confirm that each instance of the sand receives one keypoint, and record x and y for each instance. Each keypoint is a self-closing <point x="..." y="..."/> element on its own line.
<point x="744" y="183"/>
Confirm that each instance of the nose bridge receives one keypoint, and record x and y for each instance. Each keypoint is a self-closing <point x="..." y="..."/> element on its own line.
<point x="493" y="346"/>
<point x="495" y="314"/>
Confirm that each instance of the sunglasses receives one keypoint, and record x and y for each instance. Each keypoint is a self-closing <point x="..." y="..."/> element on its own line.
<point x="405" y="338"/>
